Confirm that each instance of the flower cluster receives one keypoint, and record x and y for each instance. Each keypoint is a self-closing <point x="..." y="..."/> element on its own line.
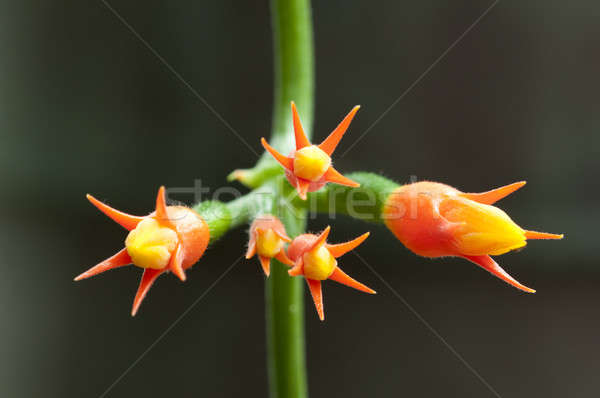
<point x="431" y="219"/>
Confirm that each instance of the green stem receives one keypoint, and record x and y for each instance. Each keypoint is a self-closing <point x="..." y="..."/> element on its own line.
<point x="364" y="203"/>
<point x="284" y="301"/>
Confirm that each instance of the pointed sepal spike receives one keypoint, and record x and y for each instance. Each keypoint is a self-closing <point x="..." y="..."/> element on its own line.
<point x="317" y="295"/>
<point x="341" y="277"/>
<point x="542" y="235"/>
<point x="287" y="163"/>
<point x="487" y="263"/>
<point x="284" y="259"/>
<point x="300" y="136"/>
<point x="332" y="141"/>
<point x="339" y="249"/>
<point x="332" y="175"/>
<point x="302" y="186"/>
<point x="491" y="197"/>
<point x="251" y="248"/>
<point x="161" y="206"/>
<point x="118" y="260"/>
<point x="297" y="269"/>
<point x="265" y="263"/>
<point x="148" y="279"/>
<point x="282" y="235"/>
<point x="125" y="220"/>
<point x="320" y="239"/>
<point x="176" y="263"/>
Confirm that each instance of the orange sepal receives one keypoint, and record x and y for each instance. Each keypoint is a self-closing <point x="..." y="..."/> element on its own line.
<point x="332" y="175"/>
<point x="118" y="260"/>
<point x="542" y="235"/>
<point x="330" y="143"/>
<point x="176" y="263"/>
<point x="125" y="220"/>
<point x="265" y="262"/>
<point x="297" y="269"/>
<point x="341" y="277"/>
<point x="320" y="239"/>
<point x="282" y="235"/>
<point x="283" y="258"/>
<point x="487" y="263"/>
<point x="286" y="162"/>
<point x="161" y="206"/>
<point x="317" y="295"/>
<point x="339" y="249"/>
<point x="491" y="197"/>
<point x="300" y="136"/>
<point x="251" y="248"/>
<point x="302" y="186"/>
<point x="148" y="278"/>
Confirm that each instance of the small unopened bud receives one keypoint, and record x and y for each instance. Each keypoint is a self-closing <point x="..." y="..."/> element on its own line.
<point x="315" y="260"/>
<point x="267" y="238"/>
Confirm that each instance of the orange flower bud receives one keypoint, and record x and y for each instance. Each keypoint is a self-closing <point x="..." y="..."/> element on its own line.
<point x="436" y="220"/>
<point x="267" y="237"/>
<point x="308" y="168"/>
<point x="173" y="238"/>
<point x="315" y="259"/>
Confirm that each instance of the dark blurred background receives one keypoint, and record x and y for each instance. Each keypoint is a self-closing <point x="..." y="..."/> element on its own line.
<point x="85" y="107"/>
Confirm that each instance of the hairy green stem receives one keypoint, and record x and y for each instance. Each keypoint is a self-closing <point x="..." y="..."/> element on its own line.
<point x="284" y="301"/>
<point x="276" y="196"/>
<point x="364" y="203"/>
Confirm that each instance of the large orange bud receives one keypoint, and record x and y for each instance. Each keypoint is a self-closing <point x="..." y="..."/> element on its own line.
<point x="436" y="220"/>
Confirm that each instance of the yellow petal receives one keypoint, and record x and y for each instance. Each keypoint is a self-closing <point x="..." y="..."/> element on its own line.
<point x="311" y="163"/>
<point x="150" y="244"/>
<point x="481" y="229"/>
<point x="268" y="243"/>
<point x="319" y="264"/>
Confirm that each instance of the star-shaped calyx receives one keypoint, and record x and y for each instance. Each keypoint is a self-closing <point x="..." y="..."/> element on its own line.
<point x="172" y="238"/>
<point x="308" y="168"/>
<point x="315" y="259"/>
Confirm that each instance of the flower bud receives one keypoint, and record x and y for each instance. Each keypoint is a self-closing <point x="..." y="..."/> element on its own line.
<point x="173" y="238"/>
<point x="267" y="238"/>
<point x="436" y="220"/>
<point x="308" y="168"/>
<point x="315" y="259"/>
